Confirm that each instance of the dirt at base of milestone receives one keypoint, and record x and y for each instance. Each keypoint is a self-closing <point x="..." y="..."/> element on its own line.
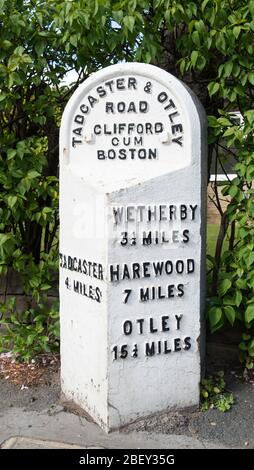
<point x="32" y="386"/>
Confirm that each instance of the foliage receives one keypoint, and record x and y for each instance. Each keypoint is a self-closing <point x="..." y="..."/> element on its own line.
<point x="207" y="43"/>
<point x="32" y="331"/>
<point x="214" y="394"/>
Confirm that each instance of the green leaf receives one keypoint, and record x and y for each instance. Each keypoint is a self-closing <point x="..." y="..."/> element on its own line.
<point x="74" y="40"/>
<point x="11" y="154"/>
<point x="204" y="3"/>
<point x="251" y="348"/>
<point x="129" y="22"/>
<point x="233" y="190"/>
<point x="236" y="31"/>
<point x="230" y="314"/>
<point x="215" y="314"/>
<point x="249" y="313"/>
<point x="12" y="201"/>
<point x="2" y="96"/>
<point x="194" y="57"/>
<point x="32" y="174"/>
<point x="251" y="78"/>
<point x="228" y="67"/>
<point x="238" y="298"/>
<point x="213" y="87"/>
<point x="224" y="286"/>
<point x="195" y="38"/>
<point x="39" y="47"/>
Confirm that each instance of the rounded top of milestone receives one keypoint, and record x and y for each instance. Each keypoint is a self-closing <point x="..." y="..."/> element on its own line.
<point x="126" y="124"/>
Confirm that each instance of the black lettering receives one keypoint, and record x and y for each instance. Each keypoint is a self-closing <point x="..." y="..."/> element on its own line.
<point x="158" y="268"/>
<point x="136" y="270"/>
<point x="111" y="154"/>
<point x="178" y="320"/>
<point x="92" y="101"/>
<point x="176" y="128"/>
<point x="177" y="346"/>
<point x="118" y="214"/>
<point x="97" y="129"/>
<point x="158" y="127"/>
<point x="166" y="349"/>
<point x="179" y="266"/>
<point x="150" y="349"/>
<point x="115" y="141"/>
<point x="146" y="266"/>
<point x="131" y="108"/>
<point x="79" y="119"/>
<point x="100" y="272"/>
<point x="175" y="238"/>
<point x="109" y="107"/>
<point x="77" y="131"/>
<point x="171" y="291"/>
<point x="172" y="212"/>
<point x="180" y="289"/>
<point x="193" y="210"/>
<point x="186" y="237"/>
<point x="132" y="83"/>
<point x="162" y="97"/>
<point x="126" y="274"/>
<point x="98" y="295"/>
<point x="70" y="264"/>
<point x="132" y="152"/>
<point x="190" y="266"/>
<point x="172" y="115"/>
<point x="170" y="104"/>
<point x="168" y="267"/>
<point x="120" y="84"/>
<point x="114" y="273"/>
<point x="101" y="155"/>
<point x="183" y="212"/>
<point x="147" y="239"/>
<point x="143" y="106"/>
<point x="178" y="140"/>
<point x="164" y="323"/>
<point x="149" y="128"/>
<point x="127" y="327"/>
<point x="101" y="92"/>
<point x="152" y="329"/>
<point x="76" y="286"/>
<point x="142" y="153"/>
<point x="160" y="294"/>
<point x="144" y="294"/>
<point x="140" y="321"/>
<point x="109" y="84"/>
<point x="152" y="153"/>
<point x="84" y="109"/>
<point x="91" y="292"/>
<point x="76" y="141"/>
<point x="121" y="106"/>
<point x="122" y="154"/>
<point x="138" y="140"/>
<point x="187" y="342"/>
<point x="126" y="141"/>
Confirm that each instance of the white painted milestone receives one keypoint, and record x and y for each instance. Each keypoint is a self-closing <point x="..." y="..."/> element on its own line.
<point x="132" y="218"/>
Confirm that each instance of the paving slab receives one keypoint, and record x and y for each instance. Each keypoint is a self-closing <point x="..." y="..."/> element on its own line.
<point x="21" y="429"/>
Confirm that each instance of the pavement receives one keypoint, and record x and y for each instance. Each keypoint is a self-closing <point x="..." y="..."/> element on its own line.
<point x="34" y="417"/>
<point x="39" y="430"/>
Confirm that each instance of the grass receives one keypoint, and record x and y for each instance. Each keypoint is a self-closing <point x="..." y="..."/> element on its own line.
<point x="212" y="234"/>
